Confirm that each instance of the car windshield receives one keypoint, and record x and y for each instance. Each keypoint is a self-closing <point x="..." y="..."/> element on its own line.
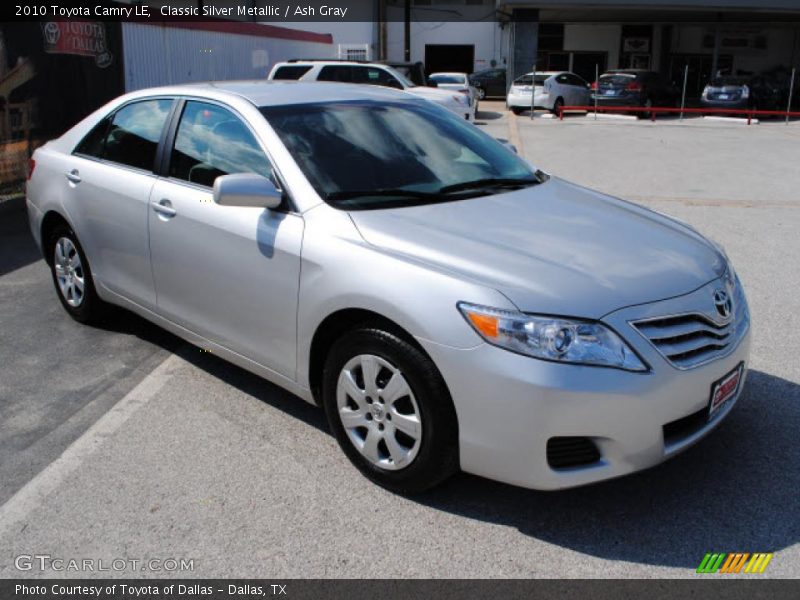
<point x="403" y="79"/>
<point x="729" y="80"/>
<point x="617" y="78"/>
<point x="365" y="155"/>
<point x="448" y="78"/>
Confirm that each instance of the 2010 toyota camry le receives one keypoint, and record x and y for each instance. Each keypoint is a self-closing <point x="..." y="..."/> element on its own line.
<point x="448" y="304"/>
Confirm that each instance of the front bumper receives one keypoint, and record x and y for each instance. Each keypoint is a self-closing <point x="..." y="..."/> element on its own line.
<point x="509" y="405"/>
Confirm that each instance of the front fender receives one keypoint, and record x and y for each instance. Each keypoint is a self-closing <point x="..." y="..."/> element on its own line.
<point x="342" y="271"/>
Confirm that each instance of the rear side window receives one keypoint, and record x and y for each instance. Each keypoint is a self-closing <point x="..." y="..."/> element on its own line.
<point x="340" y="73"/>
<point x="374" y="76"/>
<point x="292" y="72"/>
<point x="134" y="133"/>
<point x="211" y="141"/>
<point x="92" y="144"/>
<point x="575" y="80"/>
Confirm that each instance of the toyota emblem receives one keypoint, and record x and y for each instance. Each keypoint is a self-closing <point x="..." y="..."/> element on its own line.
<point x="723" y="303"/>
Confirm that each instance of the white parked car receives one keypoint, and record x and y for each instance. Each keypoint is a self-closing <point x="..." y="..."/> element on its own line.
<point x="344" y="71"/>
<point x="553" y="89"/>
<point x="457" y="82"/>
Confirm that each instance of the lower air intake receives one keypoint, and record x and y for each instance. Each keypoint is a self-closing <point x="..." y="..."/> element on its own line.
<point x="569" y="452"/>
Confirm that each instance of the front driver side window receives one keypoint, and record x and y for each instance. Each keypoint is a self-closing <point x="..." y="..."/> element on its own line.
<point x="212" y="141"/>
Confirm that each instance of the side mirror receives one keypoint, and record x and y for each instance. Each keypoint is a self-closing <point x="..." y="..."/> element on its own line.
<point x="432" y="83"/>
<point x="246" y="189"/>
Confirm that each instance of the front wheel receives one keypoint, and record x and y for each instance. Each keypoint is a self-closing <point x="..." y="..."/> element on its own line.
<point x="390" y="410"/>
<point x="481" y="93"/>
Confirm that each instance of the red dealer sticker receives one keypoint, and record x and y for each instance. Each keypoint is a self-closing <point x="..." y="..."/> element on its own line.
<point x="725" y="389"/>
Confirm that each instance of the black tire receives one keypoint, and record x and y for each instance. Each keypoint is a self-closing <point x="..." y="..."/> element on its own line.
<point x="556" y="105"/>
<point x="481" y="92"/>
<point x="91" y="308"/>
<point x="437" y="455"/>
<point x="517" y="110"/>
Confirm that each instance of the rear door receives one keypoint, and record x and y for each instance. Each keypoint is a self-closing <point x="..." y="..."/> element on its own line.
<point x="579" y="90"/>
<point x="229" y="274"/>
<point x="110" y="176"/>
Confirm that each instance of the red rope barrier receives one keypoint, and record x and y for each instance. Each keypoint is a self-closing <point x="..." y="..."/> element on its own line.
<point x="653" y="110"/>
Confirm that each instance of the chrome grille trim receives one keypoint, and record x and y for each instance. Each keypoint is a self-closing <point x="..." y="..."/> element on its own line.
<point x="687" y="340"/>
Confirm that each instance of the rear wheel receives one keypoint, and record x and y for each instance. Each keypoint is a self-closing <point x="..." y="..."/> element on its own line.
<point x="517" y="110"/>
<point x="390" y="410"/>
<point x="557" y="105"/>
<point x="481" y="93"/>
<point x="73" y="277"/>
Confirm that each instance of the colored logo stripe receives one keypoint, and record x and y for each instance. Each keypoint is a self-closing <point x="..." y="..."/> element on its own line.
<point x="711" y="563"/>
<point x="733" y="562"/>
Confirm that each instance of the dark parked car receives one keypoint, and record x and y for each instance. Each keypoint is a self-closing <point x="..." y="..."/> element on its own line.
<point x="767" y="91"/>
<point x="633" y="87"/>
<point x="415" y="71"/>
<point x="489" y="82"/>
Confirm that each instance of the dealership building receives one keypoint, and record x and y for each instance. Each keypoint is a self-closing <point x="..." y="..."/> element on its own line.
<point x="729" y="36"/>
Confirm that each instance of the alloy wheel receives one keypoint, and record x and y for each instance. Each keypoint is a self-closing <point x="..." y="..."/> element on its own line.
<point x="379" y="412"/>
<point x="69" y="271"/>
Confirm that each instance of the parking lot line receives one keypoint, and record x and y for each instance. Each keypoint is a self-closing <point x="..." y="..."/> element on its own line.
<point x="37" y="489"/>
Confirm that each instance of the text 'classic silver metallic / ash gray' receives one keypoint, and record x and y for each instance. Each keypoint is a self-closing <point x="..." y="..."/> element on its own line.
<point x="447" y="303"/>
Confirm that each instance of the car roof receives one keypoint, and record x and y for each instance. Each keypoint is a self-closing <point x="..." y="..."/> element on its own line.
<point x="263" y="92"/>
<point x="460" y="74"/>
<point x="333" y="61"/>
<point x="630" y="72"/>
<point x="548" y="73"/>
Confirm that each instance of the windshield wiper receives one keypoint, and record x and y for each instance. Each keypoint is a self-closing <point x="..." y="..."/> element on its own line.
<point x="489" y="182"/>
<point x="392" y="193"/>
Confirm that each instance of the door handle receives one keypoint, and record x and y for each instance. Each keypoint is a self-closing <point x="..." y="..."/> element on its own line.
<point x="73" y="176"/>
<point x="164" y="208"/>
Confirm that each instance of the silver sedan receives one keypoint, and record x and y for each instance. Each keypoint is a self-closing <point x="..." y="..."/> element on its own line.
<point x="449" y="305"/>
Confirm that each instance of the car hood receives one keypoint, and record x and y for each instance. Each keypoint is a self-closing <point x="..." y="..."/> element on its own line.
<point x="554" y="248"/>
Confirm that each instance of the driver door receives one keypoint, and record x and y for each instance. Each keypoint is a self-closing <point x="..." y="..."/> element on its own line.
<point x="229" y="274"/>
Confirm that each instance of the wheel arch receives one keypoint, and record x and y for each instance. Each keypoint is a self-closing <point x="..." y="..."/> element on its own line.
<point x="333" y="326"/>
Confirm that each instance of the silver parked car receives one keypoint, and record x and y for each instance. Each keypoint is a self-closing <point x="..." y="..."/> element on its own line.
<point x="447" y="303"/>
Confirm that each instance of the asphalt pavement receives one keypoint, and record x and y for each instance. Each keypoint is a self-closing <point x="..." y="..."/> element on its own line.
<point x="123" y="442"/>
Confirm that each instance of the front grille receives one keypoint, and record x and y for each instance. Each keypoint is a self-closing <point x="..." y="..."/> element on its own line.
<point x="568" y="452"/>
<point x="687" y="340"/>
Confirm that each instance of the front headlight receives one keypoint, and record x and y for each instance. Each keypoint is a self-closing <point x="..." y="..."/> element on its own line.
<point x="552" y="338"/>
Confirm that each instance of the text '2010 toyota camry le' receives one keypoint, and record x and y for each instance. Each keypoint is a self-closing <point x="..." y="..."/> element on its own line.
<point x="449" y="305"/>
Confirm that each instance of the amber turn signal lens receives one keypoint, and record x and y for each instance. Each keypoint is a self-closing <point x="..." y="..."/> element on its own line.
<point x="486" y="324"/>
